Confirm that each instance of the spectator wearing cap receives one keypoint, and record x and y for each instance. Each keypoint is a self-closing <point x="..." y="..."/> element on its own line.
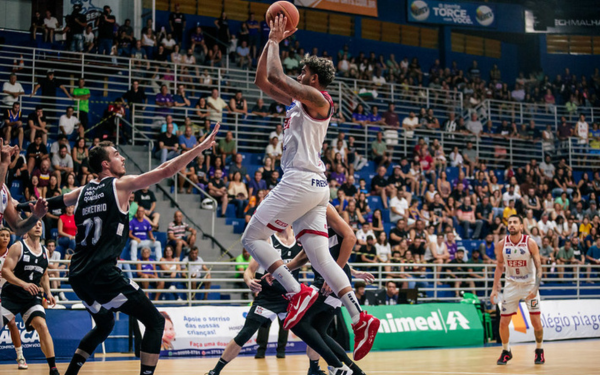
<point x="70" y="126"/>
<point x="11" y="90"/>
<point x="12" y="124"/>
<point x="49" y="85"/>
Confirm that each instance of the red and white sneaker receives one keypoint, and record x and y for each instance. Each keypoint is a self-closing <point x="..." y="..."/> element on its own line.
<point x="365" y="331"/>
<point x="299" y="305"/>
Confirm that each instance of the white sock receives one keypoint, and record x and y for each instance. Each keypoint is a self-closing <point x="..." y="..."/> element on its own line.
<point x="538" y="345"/>
<point x="19" y="351"/>
<point x="506" y="347"/>
<point x="351" y="302"/>
<point x="285" y="278"/>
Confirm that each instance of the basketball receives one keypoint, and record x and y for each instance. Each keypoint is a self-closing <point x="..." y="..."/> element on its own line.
<point x="286" y="9"/>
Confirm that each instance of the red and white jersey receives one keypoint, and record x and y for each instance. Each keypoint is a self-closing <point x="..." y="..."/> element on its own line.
<point x="4" y="198"/>
<point x="303" y="137"/>
<point x="518" y="262"/>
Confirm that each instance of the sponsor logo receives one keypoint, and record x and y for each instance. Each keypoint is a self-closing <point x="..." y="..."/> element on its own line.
<point x="484" y="15"/>
<point x="281" y="223"/>
<point x="453" y="321"/>
<point x="419" y="10"/>
<point x="516" y="263"/>
<point x="534" y="303"/>
<point x="319" y="183"/>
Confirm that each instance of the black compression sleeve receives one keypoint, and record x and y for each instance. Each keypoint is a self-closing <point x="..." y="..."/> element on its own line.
<point x="24" y="206"/>
<point x="56" y="203"/>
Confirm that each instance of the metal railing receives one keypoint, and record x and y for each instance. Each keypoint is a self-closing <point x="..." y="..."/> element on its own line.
<point x="436" y="282"/>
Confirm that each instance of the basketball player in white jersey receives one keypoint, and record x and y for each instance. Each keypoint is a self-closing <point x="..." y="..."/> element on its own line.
<point x="518" y="257"/>
<point x="302" y="196"/>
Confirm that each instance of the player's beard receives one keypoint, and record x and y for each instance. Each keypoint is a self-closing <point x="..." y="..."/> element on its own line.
<point x="513" y="232"/>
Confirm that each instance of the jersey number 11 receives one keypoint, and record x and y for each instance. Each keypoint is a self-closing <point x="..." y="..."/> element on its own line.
<point x="88" y="224"/>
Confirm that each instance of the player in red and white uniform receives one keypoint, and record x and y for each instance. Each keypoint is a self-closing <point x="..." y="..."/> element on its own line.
<point x="518" y="257"/>
<point x="302" y="196"/>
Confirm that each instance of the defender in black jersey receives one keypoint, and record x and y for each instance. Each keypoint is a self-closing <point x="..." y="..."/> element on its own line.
<point x="269" y="304"/>
<point x="101" y="215"/>
<point x="26" y="273"/>
<point x="312" y="328"/>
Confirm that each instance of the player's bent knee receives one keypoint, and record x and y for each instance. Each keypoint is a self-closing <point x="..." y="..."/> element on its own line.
<point x="249" y="329"/>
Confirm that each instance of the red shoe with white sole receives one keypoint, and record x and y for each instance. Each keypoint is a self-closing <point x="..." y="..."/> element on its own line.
<point x="365" y="331"/>
<point x="299" y="305"/>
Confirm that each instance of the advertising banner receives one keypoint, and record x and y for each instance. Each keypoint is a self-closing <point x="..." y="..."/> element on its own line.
<point x="206" y="331"/>
<point x="424" y="325"/>
<point x="67" y="328"/>
<point x="452" y="13"/>
<point x="362" y="7"/>
<point x="585" y="22"/>
<point x="561" y="319"/>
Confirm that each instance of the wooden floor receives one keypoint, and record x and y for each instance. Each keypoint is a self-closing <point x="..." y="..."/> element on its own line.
<point x="563" y="358"/>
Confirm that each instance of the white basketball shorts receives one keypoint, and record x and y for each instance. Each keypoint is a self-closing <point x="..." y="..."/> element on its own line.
<point x="514" y="293"/>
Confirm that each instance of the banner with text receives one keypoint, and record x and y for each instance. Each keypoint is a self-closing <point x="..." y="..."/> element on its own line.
<point x="362" y="7"/>
<point x="206" y="331"/>
<point x="67" y="328"/>
<point x="424" y="325"/>
<point x="561" y="319"/>
<point x="452" y="13"/>
<point x="572" y="21"/>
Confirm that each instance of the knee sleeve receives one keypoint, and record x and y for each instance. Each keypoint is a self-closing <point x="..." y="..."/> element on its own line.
<point x="249" y="329"/>
<point x="254" y="240"/>
<point x="317" y="250"/>
<point x="104" y="325"/>
<point x="155" y="325"/>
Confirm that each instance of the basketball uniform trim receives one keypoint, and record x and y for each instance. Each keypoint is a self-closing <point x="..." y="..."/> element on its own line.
<point x="328" y="98"/>
<point x="270" y="226"/>
<point x="117" y="198"/>
<point x="311" y="231"/>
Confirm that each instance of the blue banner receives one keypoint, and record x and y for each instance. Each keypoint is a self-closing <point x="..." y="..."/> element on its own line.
<point x="67" y="328"/>
<point x="452" y="13"/>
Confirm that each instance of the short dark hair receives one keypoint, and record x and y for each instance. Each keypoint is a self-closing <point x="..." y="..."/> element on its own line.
<point x="69" y="107"/>
<point x="99" y="154"/>
<point x="322" y="67"/>
<point x="48" y="242"/>
<point x="518" y="217"/>
<point x="62" y="147"/>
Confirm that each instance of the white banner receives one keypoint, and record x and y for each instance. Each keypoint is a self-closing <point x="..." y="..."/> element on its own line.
<point x="206" y="331"/>
<point x="562" y="319"/>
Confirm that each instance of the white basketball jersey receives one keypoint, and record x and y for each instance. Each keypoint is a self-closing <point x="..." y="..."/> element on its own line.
<point x="303" y="137"/>
<point x="518" y="262"/>
<point x="4" y="197"/>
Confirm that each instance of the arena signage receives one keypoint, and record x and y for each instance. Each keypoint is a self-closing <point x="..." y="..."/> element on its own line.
<point x="206" y="331"/>
<point x="574" y="22"/>
<point x="425" y="325"/>
<point x="561" y="319"/>
<point x="362" y="7"/>
<point x="452" y="13"/>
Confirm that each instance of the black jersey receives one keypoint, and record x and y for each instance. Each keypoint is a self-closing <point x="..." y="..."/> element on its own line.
<point x="335" y="245"/>
<point x="30" y="268"/>
<point x="287" y="254"/>
<point x="102" y="229"/>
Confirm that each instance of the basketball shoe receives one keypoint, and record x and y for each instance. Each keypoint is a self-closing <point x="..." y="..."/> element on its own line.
<point x="344" y="370"/>
<point x="504" y="357"/>
<point x="539" y="357"/>
<point x="22" y="364"/>
<point x="365" y="331"/>
<point x="316" y="372"/>
<point x="299" y="305"/>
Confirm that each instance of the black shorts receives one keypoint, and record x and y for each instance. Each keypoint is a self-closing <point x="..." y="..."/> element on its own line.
<point x="109" y="290"/>
<point x="264" y="309"/>
<point x="28" y="308"/>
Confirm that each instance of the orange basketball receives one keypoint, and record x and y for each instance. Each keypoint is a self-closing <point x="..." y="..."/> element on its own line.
<point x="287" y="9"/>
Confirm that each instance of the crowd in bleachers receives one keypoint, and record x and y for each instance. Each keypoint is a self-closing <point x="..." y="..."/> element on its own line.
<point x="409" y="209"/>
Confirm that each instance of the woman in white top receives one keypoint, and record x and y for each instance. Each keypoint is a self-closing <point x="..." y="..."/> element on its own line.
<point x="529" y="222"/>
<point x="169" y="43"/>
<point x="456" y="159"/>
<point x="535" y="235"/>
<point x="439" y="250"/>
<point x="149" y="42"/>
<point x="176" y="57"/>
<point x="171" y="271"/>
<point x="548" y="203"/>
<point x="383" y="248"/>
<point x="494" y="185"/>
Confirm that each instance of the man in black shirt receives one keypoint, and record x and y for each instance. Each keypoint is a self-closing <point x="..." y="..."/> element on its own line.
<point x="273" y="181"/>
<point x="368" y="254"/>
<point x="49" y="86"/>
<point x="398" y="233"/>
<point x="76" y="23"/>
<point x="396" y="178"/>
<point x="146" y="198"/>
<point x="168" y="147"/>
<point x="177" y="23"/>
<point x="460" y="271"/>
<point x="36" y="122"/>
<point x="348" y="187"/>
<point x="379" y="184"/>
<point x="36" y="152"/>
<point x="485" y="213"/>
<point x="105" y="24"/>
<point x="136" y="95"/>
<point x="218" y="190"/>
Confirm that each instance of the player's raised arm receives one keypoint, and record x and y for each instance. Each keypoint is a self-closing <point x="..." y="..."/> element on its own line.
<point x="263" y="83"/>
<point x="166" y="169"/>
<point x="308" y="95"/>
<point x="535" y="255"/>
<point x="499" y="270"/>
<point x="342" y="228"/>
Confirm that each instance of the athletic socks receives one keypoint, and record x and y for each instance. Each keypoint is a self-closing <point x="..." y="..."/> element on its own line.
<point x="286" y="279"/>
<point x="506" y="347"/>
<point x="351" y="303"/>
<point x="75" y="365"/>
<point x="314" y="366"/>
<point x="147" y="370"/>
<point x="538" y="345"/>
<point x="51" y="362"/>
<point x="217" y="370"/>
<point x="19" y="351"/>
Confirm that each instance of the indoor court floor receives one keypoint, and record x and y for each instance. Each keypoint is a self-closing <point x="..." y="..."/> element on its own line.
<point x="580" y="357"/>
